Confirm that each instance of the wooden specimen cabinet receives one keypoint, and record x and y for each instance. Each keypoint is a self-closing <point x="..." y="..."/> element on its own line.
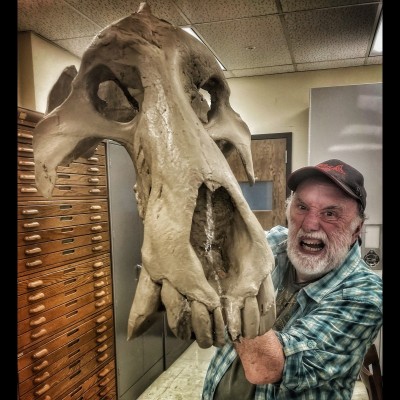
<point x="65" y="330"/>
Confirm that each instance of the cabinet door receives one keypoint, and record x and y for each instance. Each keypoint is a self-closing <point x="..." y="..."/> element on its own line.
<point x="140" y="360"/>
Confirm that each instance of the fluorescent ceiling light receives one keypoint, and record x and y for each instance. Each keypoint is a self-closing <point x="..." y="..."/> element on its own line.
<point x="194" y="34"/>
<point x="376" y="49"/>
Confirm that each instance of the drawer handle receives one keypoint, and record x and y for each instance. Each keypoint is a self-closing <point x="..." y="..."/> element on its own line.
<point x="100" y="294"/>
<point x="66" y="252"/>
<point x="35" y="250"/>
<point x="38" y="334"/>
<point x="25" y="149"/>
<point x="94" y="191"/>
<point x="98" y="264"/>
<point x="27" y="177"/>
<point x="102" y="357"/>
<point x="41" y="378"/>
<point x="35" y="284"/>
<point x="42" y="390"/>
<point x="32" y="237"/>
<point x="95" y="217"/>
<point x="28" y="190"/>
<point x="100" y="303"/>
<point x="102" y="339"/>
<point x="101" y="319"/>
<point x="93" y="159"/>
<point x="26" y="163"/>
<point x="36" y="297"/>
<point x="38" y="321"/>
<point x="98" y="274"/>
<point x="97" y="238"/>
<point x="35" y="263"/>
<point x="37" y="309"/>
<point x="97" y="248"/>
<point x="93" y="169"/>
<point x="64" y="176"/>
<point x="103" y="373"/>
<point x="99" y="284"/>
<point x="92" y="180"/>
<point x="25" y="135"/>
<point x="40" y="354"/>
<point x="102" y="348"/>
<point x="39" y="367"/>
<point x="30" y="211"/>
<point x="96" y="228"/>
<point x="101" y="329"/>
<point x="95" y="208"/>
<point x="31" y="225"/>
<point x="104" y="382"/>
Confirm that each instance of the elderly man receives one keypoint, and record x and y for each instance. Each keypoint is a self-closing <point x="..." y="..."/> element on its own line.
<point x="328" y="301"/>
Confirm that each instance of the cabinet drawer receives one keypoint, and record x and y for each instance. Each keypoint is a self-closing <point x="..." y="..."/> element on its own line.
<point x="108" y="392"/>
<point x="38" y="315"/>
<point x="72" y="242"/>
<point x="62" y="233"/>
<point x="46" y="281"/>
<point x="50" y="328"/>
<point x="38" y="224"/>
<point x="67" y="354"/>
<point x="24" y="135"/>
<point x="51" y="307"/>
<point x="29" y="191"/>
<point x="95" y="384"/>
<point x="66" y="343"/>
<point x="64" y="178"/>
<point x="98" y="279"/>
<point x="26" y="150"/>
<point x="32" y="264"/>
<point x="81" y="357"/>
<point x="41" y="209"/>
<point x="68" y="377"/>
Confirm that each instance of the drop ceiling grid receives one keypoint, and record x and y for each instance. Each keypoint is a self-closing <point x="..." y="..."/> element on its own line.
<point x="54" y="20"/>
<point x="330" y="34"/>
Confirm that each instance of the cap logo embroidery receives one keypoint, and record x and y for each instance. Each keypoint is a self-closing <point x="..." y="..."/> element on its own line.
<point x="336" y="168"/>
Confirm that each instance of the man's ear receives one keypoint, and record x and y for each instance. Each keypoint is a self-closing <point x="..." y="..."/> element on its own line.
<point x="357" y="232"/>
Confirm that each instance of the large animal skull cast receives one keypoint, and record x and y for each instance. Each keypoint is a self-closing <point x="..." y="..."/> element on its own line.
<point x="204" y="254"/>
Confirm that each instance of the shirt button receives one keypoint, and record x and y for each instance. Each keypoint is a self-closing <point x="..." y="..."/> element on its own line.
<point x="311" y="344"/>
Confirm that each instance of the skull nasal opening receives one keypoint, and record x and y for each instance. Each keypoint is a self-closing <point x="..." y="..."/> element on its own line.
<point x="113" y="97"/>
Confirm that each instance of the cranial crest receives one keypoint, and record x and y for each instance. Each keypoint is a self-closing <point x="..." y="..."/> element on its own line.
<point x="204" y="254"/>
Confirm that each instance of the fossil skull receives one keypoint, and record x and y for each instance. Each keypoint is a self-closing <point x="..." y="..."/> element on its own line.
<point x="204" y="254"/>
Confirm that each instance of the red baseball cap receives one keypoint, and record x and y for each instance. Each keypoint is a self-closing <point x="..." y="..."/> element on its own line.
<point x="344" y="175"/>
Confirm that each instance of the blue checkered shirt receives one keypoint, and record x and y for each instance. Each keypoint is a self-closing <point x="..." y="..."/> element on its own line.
<point x="325" y="340"/>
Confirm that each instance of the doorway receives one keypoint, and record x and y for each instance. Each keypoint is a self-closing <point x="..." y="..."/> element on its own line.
<point x="272" y="162"/>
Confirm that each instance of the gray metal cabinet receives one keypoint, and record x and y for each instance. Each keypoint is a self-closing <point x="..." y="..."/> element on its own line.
<point x="140" y="361"/>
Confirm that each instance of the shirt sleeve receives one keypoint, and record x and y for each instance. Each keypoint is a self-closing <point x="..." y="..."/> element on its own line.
<point x="330" y="341"/>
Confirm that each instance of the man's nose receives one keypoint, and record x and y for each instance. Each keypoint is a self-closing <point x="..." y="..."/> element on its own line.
<point x="311" y="222"/>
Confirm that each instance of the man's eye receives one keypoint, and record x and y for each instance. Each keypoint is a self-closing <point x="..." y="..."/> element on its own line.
<point x="329" y="215"/>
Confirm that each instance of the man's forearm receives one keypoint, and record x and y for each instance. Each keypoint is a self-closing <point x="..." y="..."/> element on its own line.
<point x="262" y="358"/>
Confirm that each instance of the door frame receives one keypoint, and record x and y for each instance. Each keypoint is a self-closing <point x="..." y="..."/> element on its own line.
<point x="281" y="135"/>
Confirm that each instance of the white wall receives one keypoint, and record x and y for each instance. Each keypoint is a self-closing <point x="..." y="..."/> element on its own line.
<point x="268" y="103"/>
<point x="47" y="62"/>
<point x="280" y="103"/>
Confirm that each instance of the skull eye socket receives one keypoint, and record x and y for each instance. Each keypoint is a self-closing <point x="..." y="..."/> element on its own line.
<point x="200" y="102"/>
<point x="112" y="97"/>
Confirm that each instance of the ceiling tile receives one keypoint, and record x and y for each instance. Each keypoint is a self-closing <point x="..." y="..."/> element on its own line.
<point x="105" y="12"/>
<point x="330" y="34"/>
<point x="223" y="10"/>
<point x="296" y="5"/>
<point x="356" y="62"/>
<point x="264" y="34"/>
<point x="53" y="20"/>
<point x="374" y="60"/>
<point x="75" y="46"/>
<point x="280" y="69"/>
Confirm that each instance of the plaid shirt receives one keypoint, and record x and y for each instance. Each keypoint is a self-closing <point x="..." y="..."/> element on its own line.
<point x="325" y="340"/>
